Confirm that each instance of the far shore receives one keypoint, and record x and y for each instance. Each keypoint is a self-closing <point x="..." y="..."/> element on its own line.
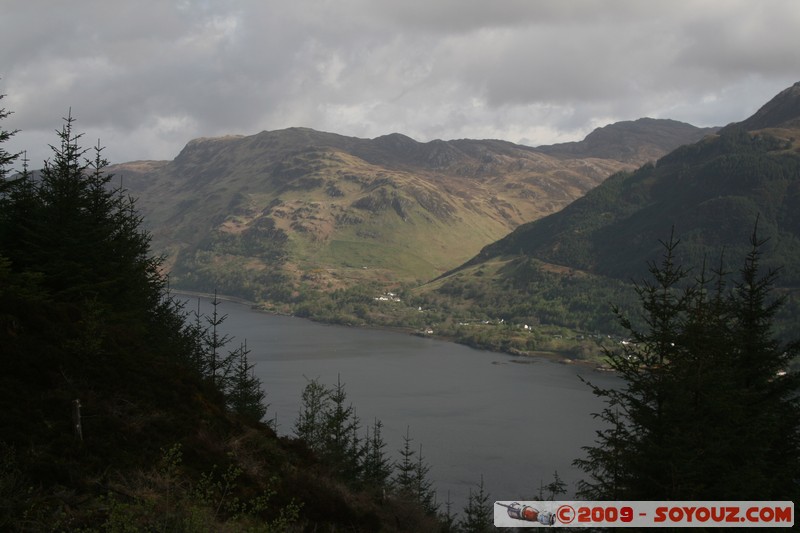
<point x="551" y="356"/>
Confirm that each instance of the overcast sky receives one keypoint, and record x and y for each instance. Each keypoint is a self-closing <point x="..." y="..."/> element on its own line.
<point x="147" y="76"/>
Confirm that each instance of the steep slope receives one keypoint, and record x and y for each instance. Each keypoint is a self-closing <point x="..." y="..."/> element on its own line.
<point x="710" y="192"/>
<point x="262" y="216"/>
<point x="782" y="111"/>
<point x="119" y="412"/>
<point x="638" y="141"/>
<point x="567" y="269"/>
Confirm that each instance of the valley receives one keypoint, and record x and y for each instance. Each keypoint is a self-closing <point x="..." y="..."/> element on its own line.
<point x="478" y="239"/>
<point x="317" y="224"/>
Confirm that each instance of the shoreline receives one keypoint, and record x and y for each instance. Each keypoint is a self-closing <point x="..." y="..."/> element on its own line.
<point x="210" y="296"/>
<point x="554" y="357"/>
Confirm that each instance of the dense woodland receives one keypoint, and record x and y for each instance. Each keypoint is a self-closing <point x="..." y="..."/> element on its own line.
<point x="122" y="411"/>
<point x="709" y="409"/>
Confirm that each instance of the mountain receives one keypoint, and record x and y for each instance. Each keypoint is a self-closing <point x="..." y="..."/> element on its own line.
<point x="638" y="141"/>
<point x="710" y="193"/>
<point x="266" y="215"/>
<point x="782" y="111"/>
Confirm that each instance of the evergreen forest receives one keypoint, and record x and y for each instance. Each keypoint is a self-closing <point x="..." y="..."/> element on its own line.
<point x="120" y="410"/>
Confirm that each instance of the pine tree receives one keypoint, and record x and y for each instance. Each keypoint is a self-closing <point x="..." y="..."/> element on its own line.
<point x="217" y="365"/>
<point x="555" y="488"/>
<point x="376" y="467"/>
<point x="6" y="158"/>
<point x="478" y="515"/>
<point x="354" y="460"/>
<point x="411" y="476"/>
<point x="634" y="415"/>
<point x="447" y="518"/>
<point x="245" y="395"/>
<point x="82" y="235"/>
<point x="198" y="332"/>
<point x="310" y="423"/>
<point x="341" y="446"/>
<point x="404" y="479"/>
<point x="708" y="409"/>
<point x="423" y="487"/>
<point x="768" y="407"/>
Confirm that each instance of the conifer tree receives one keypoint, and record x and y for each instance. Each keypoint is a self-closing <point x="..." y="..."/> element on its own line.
<point x="245" y="395"/>
<point x="478" y="513"/>
<point x="423" y="487"/>
<point x="310" y="423"/>
<point x="555" y="488"/>
<point x="708" y="409"/>
<point x="376" y="468"/>
<point x="767" y="390"/>
<point x="404" y="478"/>
<point x="217" y="365"/>
<point x="198" y="332"/>
<point x="354" y="459"/>
<point x="411" y="476"/>
<point x="6" y="158"/>
<point x="10" y="189"/>
<point x="633" y="416"/>
<point x="447" y="518"/>
<point x="330" y="427"/>
<point x="81" y="234"/>
<point x="339" y="440"/>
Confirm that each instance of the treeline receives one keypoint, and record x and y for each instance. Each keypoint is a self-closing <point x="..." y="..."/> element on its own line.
<point x="119" y="409"/>
<point x="229" y="371"/>
<point x="709" y="408"/>
<point x="329" y="425"/>
<point x="523" y="291"/>
<point x="102" y="368"/>
<point x="68" y="235"/>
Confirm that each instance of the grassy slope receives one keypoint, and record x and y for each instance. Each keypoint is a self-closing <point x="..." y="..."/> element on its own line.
<point x="340" y="213"/>
<point x="288" y="217"/>
<point x="711" y="193"/>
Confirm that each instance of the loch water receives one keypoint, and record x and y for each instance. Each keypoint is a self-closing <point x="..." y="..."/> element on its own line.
<point x="513" y="420"/>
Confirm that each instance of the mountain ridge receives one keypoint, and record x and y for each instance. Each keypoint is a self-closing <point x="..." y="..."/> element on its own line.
<point x="711" y="193"/>
<point x="262" y="215"/>
<point x="782" y="110"/>
<point x="616" y="140"/>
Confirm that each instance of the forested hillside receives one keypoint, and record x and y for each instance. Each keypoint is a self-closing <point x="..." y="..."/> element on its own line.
<point x="566" y="269"/>
<point x="711" y="192"/>
<point x="118" y="412"/>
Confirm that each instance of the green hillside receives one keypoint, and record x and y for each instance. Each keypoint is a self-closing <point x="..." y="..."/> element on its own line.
<point x="280" y="215"/>
<point x="567" y="269"/>
<point x="711" y="194"/>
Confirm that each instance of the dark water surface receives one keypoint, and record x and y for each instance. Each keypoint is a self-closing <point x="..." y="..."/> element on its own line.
<point x="513" y="420"/>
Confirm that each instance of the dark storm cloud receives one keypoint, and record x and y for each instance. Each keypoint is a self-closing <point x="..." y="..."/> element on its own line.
<point x="148" y="76"/>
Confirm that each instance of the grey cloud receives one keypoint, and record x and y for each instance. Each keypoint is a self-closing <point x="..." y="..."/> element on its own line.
<point x="154" y="74"/>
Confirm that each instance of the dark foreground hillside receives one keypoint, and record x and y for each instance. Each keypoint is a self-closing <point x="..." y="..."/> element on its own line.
<point x="114" y="415"/>
<point x="159" y="449"/>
